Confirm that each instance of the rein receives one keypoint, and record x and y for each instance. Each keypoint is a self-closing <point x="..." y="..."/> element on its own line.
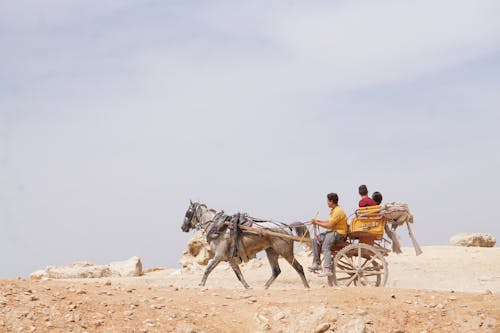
<point x="316" y="227"/>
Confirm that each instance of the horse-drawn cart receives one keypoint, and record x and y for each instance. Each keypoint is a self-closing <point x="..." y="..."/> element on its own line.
<point x="358" y="260"/>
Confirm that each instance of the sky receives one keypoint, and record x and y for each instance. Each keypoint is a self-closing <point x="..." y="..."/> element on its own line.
<point x="114" y="114"/>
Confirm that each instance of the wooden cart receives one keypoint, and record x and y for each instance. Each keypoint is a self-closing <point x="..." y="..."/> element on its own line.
<point x="358" y="261"/>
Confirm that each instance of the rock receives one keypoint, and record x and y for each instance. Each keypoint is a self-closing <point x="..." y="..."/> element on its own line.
<point x="279" y="316"/>
<point x="198" y="253"/>
<point x="260" y="318"/>
<point x="82" y="270"/>
<point x="39" y="275"/>
<point x="128" y="313"/>
<point x="265" y="327"/>
<point x="353" y="326"/>
<point x="78" y="270"/>
<point x="361" y="312"/>
<point x="127" y="268"/>
<point x="473" y="239"/>
<point x="70" y="318"/>
<point x="322" y="328"/>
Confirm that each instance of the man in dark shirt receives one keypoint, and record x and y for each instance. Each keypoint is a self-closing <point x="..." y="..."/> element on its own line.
<point x="365" y="199"/>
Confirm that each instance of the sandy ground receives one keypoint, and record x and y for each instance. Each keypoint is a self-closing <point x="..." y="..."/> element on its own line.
<point x="446" y="289"/>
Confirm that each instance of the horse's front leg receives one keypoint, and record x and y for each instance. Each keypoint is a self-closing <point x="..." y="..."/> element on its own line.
<point x="211" y="265"/>
<point x="238" y="273"/>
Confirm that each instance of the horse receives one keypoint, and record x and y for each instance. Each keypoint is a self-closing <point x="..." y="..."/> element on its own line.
<point x="199" y="216"/>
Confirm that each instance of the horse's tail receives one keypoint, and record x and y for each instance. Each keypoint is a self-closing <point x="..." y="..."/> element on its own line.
<point x="302" y="231"/>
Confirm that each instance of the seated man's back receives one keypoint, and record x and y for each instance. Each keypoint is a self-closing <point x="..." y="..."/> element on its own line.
<point x="365" y="199"/>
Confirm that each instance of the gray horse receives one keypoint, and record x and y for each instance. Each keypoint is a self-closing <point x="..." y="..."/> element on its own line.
<point x="219" y="237"/>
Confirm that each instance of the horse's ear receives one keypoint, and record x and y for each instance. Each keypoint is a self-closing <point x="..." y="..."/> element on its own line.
<point x="190" y="201"/>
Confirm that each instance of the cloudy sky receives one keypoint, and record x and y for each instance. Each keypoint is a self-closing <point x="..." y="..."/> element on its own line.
<point x="113" y="114"/>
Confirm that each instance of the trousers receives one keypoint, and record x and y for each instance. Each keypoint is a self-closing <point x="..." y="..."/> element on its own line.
<point x="326" y="240"/>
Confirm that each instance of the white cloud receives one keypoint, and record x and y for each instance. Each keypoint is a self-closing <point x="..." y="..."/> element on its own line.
<point x="255" y="107"/>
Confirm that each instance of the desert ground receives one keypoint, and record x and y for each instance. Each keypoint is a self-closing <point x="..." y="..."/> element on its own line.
<point x="446" y="289"/>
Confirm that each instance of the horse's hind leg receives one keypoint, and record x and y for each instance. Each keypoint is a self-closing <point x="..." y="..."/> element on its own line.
<point x="211" y="265"/>
<point x="298" y="268"/>
<point x="238" y="273"/>
<point x="272" y="256"/>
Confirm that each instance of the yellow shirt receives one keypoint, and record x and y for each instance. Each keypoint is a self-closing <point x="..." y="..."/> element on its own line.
<point x="338" y="217"/>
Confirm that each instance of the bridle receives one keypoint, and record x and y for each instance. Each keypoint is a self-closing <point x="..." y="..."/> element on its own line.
<point x="197" y="214"/>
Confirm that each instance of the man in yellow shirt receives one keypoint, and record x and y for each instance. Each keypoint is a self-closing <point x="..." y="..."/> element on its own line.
<point x="336" y="230"/>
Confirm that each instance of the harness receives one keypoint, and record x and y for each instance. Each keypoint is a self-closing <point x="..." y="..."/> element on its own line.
<point x="221" y="221"/>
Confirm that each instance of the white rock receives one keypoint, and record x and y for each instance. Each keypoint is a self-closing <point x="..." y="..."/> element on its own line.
<point x="266" y="327"/>
<point x="473" y="239"/>
<point x="39" y="275"/>
<point x="353" y="326"/>
<point x="198" y="253"/>
<point x="82" y="270"/>
<point x="130" y="267"/>
<point x="280" y="315"/>
<point x="322" y="328"/>
<point x="78" y="270"/>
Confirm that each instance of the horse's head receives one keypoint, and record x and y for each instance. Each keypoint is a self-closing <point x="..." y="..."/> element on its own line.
<point x="196" y="215"/>
<point x="190" y="219"/>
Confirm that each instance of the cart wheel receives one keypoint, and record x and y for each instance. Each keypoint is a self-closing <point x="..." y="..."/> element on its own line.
<point x="361" y="265"/>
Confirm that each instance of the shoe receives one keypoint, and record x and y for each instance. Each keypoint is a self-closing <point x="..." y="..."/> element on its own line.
<point x="314" y="267"/>
<point x="326" y="272"/>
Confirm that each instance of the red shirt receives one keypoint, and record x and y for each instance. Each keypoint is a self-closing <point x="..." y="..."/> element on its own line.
<point x="366" y="201"/>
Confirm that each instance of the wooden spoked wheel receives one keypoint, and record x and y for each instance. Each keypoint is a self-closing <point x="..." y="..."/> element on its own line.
<point x="361" y="265"/>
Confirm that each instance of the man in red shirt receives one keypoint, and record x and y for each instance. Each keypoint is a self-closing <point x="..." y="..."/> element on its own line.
<point x="365" y="199"/>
